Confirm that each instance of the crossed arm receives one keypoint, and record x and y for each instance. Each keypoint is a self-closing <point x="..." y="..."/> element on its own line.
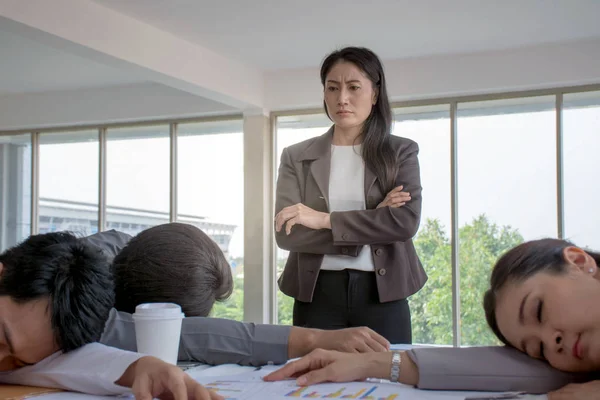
<point x="300" y="228"/>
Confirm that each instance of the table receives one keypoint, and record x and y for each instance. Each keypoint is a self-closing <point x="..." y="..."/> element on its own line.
<point x="229" y="370"/>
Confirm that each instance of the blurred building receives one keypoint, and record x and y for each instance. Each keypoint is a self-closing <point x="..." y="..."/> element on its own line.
<point x="82" y="219"/>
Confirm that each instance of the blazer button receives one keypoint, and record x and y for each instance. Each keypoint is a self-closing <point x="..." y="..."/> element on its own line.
<point x="345" y="236"/>
<point x="381" y="271"/>
<point x="378" y="252"/>
<point x="344" y="250"/>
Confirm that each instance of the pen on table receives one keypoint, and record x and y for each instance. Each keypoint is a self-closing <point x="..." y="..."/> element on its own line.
<point x="504" y="396"/>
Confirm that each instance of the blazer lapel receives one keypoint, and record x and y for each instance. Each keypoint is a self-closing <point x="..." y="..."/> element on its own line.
<point x="319" y="153"/>
<point x="370" y="178"/>
<point x="320" y="169"/>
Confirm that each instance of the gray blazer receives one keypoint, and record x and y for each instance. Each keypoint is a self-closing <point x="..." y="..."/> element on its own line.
<point x="219" y="341"/>
<point x="304" y="178"/>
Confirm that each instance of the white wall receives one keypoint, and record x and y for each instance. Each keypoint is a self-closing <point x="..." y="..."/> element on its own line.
<point x="548" y="66"/>
<point x="149" y="101"/>
<point x="88" y="29"/>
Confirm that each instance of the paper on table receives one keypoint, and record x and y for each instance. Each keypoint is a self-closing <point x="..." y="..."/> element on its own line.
<point x="250" y="386"/>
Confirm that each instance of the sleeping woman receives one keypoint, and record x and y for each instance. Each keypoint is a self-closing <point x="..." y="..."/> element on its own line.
<point x="542" y="304"/>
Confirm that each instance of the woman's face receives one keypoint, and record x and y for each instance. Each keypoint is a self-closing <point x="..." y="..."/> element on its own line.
<point x="556" y="317"/>
<point x="349" y="95"/>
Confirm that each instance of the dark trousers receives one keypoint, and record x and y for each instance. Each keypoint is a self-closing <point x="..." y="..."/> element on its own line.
<point x="349" y="298"/>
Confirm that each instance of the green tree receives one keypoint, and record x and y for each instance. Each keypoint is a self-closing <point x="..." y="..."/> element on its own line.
<point x="232" y="308"/>
<point x="481" y="244"/>
<point x="285" y="304"/>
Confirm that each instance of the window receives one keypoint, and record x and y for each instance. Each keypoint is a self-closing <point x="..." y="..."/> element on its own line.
<point x="506" y="183"/>
<point x="581" y="146"/>
<point x="431" y="307"/>
<point x="506" y="192"/>
<point x="210" y="186"/>
<point x="291" y="130"/>
<point x="69" y="182"/>
<point x="137" y="178"/>
<point x="15" y="189"/>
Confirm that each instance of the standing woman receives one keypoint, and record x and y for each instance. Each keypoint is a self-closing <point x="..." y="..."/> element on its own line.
<point x="348" y="205"/>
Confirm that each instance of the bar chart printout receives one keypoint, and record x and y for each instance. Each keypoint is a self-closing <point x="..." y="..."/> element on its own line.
<point x="233" y="389"/>
<point x="344" y="392"/>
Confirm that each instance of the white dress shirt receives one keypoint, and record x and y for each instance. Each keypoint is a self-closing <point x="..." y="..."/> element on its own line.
<point x="91" y="369"/>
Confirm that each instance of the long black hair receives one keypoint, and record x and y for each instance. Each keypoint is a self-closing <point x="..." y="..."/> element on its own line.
<point x="376" y="131"/>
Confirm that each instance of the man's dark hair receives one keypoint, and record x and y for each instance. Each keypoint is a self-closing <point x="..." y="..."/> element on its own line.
<point x="74" y="276"/>
<point x="175" y="263"/>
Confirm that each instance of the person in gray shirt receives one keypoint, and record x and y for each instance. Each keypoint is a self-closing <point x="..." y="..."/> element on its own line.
<point x="170" y="263"/>
<point x="542" y="304"/>
<point x="151" y="268"/>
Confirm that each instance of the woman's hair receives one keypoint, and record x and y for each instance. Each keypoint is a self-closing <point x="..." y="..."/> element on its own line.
<point x="520" y="263"/>
<point x="175" y="263"/>
<point x="376" y="149"/>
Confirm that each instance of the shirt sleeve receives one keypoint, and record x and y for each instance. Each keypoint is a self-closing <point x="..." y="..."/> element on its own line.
<point x="91" y="369"/>
<point x="493" y="368"/>
<point x="211" y="341"/>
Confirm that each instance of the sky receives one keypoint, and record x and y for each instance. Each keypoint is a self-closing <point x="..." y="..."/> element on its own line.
<point x="506" y="169"/>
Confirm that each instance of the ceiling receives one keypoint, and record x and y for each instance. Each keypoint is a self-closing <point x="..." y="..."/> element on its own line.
<point x="28" y="66"/>
<point x="281" y="34"/>
<point x="277" y="34"/>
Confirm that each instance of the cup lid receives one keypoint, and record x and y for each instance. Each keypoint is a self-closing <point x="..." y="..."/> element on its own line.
<point x="159" y="309"/>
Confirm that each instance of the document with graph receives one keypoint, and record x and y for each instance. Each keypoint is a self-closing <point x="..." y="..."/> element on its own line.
<point x="252" y="387"/>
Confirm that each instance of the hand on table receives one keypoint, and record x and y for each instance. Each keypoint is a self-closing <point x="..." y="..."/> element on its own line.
<point x="326" y="366"/>
<point x="351" y="340"/>
<point x="151" y="378"/>
<point x="577" y="391"/>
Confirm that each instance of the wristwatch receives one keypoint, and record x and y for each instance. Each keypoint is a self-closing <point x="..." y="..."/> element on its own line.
<point x="395" y="370"/>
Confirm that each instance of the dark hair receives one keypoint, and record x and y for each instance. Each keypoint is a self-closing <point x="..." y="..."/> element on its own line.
<point x="175" y="263"/>
<point x="520" y="263"/>
<point x="376" y="150"/>
<point x="74" y="276"/>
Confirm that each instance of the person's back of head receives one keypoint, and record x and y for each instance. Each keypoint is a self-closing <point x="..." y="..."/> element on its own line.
<point x="176" y="263"/>
<point x="74" y="277"/>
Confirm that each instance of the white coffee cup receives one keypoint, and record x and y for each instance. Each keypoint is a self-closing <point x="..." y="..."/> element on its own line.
<point x="158" y="329"/>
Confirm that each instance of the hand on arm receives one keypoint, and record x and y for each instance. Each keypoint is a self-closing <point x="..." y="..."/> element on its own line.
<point x="395" y="198"/>
<point x="395" y="219"/>
<point x="351" y="340"/>
<point x="150" y="377"/>
<point x="333" y="366"/>
<point x="301" y="239"/>
<point x="302" y="215"/>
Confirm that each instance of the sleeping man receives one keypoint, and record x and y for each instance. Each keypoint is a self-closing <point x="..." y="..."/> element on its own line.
<point x="57" y="294"/>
